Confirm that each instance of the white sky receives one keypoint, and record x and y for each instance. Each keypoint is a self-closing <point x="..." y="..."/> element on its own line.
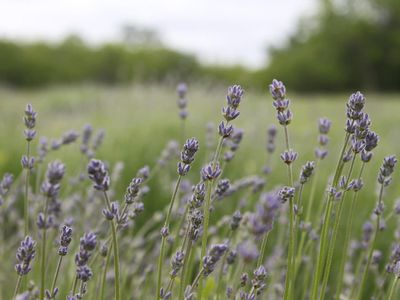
<point x="222" y="31"/>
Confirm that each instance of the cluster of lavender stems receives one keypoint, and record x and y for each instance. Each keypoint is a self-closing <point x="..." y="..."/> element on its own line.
<point x="182" y="251"/>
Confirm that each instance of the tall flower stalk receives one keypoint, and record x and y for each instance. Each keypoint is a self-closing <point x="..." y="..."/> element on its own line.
<point x="27" y="161"/>
<point x="25" y="255"/>
<point x="101" y="182"/>
<point x="284" y="116"/>
<point x="181" y="90"/>
<point x="354" y="112"/>
<point x="212" y="171"/>
<point x="50" y="188"/>
<point x="384" y="179"/>
<point x="187" y="157"/>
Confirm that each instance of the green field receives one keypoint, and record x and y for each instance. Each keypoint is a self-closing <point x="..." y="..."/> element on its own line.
<point x="140" y="120"/>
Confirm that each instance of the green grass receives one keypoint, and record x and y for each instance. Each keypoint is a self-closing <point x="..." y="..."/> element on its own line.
<point x="140" y="120"/>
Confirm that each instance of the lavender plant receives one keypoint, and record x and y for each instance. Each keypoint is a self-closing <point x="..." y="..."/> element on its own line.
<point x="226" y="233"/>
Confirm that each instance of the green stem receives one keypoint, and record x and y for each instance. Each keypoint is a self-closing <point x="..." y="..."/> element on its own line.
<point x="116" y="252"/>
<point x="311" y="198"/>
<point x="290" y="259"/>
<point x="43" y="252"/>
<point x="104" y="275"/>
<point x="332" y="242"/>
<point x="81" y="290"/>
<point x="17" y="286"/>
<point x="53" y="285"/>
<point x="26" y="202"/>
<point x="371" y="249"/>
<point x="393" y="288"/>
<point x="184" y="275"/>
<point x="349" y="227"/>
<point x="207" y="212"/>
<point x="74" y="286"/>
<point x="163" y="238"/>
<point x="325" y="226"/>
<point x="221" y="269"/>
<point x="261" y="257"/>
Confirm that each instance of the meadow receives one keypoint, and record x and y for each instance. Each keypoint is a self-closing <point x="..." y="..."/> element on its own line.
<point x="139" y="121"/>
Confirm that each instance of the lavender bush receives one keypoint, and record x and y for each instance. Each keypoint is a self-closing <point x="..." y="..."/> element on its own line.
<point x="74" y="236"/>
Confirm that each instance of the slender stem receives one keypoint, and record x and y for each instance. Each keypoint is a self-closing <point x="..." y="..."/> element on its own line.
<point x="116" y="252"/>
<point x="221" y="269"/>
<point x="17" y="286"/>
<point x="43" y="252"/>
<point x="325" y="226"/>
<point x="53" y="285"/>
<point x="349" y="227"/>
<point x="332" y="242"/>
<point x="26" y="202"/>
<point x="75" y="286"/>
<point x="311" y="198"/>
<point x="371" y="249"/>
<point x="184" y="275"/>
<point x="290" y="259"/>
<point x="261" y="257"/>
<point x="183" y="130"/>
<point x="104" y="275"/>
<point x="163" y="238"/>
<point x="393" y="287"/>
<point x="207" y="212"/>
<point x="81" y="290"/>
<point x="196" y="280"/>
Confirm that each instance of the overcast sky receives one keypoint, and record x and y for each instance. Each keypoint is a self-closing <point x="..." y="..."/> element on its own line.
<point x="222" y="31"/>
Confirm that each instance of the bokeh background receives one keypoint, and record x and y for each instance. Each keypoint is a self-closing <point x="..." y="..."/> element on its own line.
<point x="116" y="64"/>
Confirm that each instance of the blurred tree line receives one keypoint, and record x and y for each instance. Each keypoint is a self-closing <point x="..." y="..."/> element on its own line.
<point x="348" y="44"/>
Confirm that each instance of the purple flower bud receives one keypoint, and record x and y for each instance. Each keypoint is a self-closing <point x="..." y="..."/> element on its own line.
<point x="214" y="255"/>
<point x="235" y="221"/>
<point x="181" y="89"/>
<point x="183" y="168"/>
<point x="277" y="90"/>
<point x="55" y="172"/>
<point x="289" y="156"/>
<point x="284" y="117"/>
<point x="357" y="145"/>
<point x="164" y="232"/>
<point x="98" y="174"/>
<point x="230" y="113"/>
<point x="356" y="101"/>
<point x="320" y="153"/>
<point x="286" y="193"/>
<point x="25" y="255"/>
<point x="29" y="134"/>
<point x="281" y="105"/>
<point x="323" y="140"/>
<point x="234" y="96"/>
<point x="210" y="172"/>
<point x="177" y="263"/>
<point x="356" y="184"/>
<point x="225" y="130"/>
<point x="306" y="171"/>
<point x="366" y="156"/>
<point x="109" y="214"/>
<point x="27" y="163"/>
<point x="324" y="125"/>
<point x="371" y="140"/>
<point x="350" y="126"/>
<point x="84" y="273"/>
<point x="88" y="241"/>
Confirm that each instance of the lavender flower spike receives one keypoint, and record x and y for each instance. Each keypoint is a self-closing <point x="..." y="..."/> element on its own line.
<point x="98" y="174"/>
<point x="25" y="254"/>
